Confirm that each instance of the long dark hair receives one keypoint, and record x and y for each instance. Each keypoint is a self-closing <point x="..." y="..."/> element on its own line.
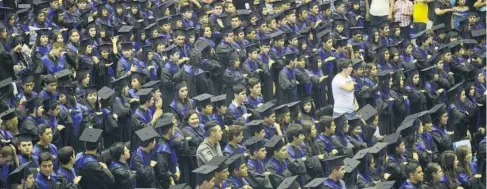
<point x="447" y="162"/>
<point x="430" y="169"/>
<point x="462" y="153"/>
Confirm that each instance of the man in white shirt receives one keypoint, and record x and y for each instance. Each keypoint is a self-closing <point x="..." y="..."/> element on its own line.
<point x="343" y="89"/>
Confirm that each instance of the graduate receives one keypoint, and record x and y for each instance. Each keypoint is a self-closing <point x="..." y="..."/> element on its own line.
<point x="142" y="117"/>
<point x="287" y="80"/>
<point x="221" y="173"/>
<point x="205" y="176"/>
<point x="94" y="173"/>
<point x="204" y="107"/>
<point x="238" y="172"/>
<point x="235" y="138"/>
<point x="167" y="169"/>
<point x="182" y="104"/>
<point x="47" y="178"/>
<point x="254" y="99"/>
<point x="124" y="177"/>
<point x="50" y="84"/>
<point x="441" y="135"/>
<point x="24" y="146"/>
<point x="220" y="109"/>
<point x="66" y="169"/>
<point x="305" y="85"/>
<point x="109" y="119"/>
<point x="277" y="164"/>
<point x="258" y="176"/>
<point x="44" y="144"/>
<point x="142" y="160"/>
<point x="318" y="78"/>
<point x="121" y="107"/>
<point x="49" y="118"/>
<point x="396" y="160"/>
<point x="336" y="169"/>
<point x="237" y="112"/>
<point x="283" y="119"/>
<point x="53" y="61"/>
<point x="233" y="76"/>
<point x="414" y="173"/>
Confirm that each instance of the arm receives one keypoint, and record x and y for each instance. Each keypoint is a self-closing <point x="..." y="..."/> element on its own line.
<point x="479" y="3"/>
<point x="439" y="11"/>
<point x="101" y="174"/>
<point x="123" y="175"/>
<point x="143" y="171"/>
<point x="285" y="83"/>
<point x="162" y="171"/>
<point x="348" y="86"/>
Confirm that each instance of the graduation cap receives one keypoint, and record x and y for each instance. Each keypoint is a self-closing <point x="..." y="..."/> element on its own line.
<point x="277" y="35"/>
<point x="326" y="5"/>
<point x="439" y="27"/>
<point x="40" y="6"/>
<point x="165" y="121"/>
<point x="149" y="28"/>
<point x="287" y="182"/>
<point x="361" y="154"/>
<point x="23" y="12"/>
<point x="186" y="8"/>
<point x="455" y="45"/>
<point x="315" y="183"/>
<point x="323" y="33"/>
<point x="339" y="21"/>
<point x="291" y="55"/>
<point x="61" y="75"/>
<point x="171" y="49"/>
<point x="357" y="30"/>
<point x="127" y="45"/>
<point x="454" y="91"/>
<point x="205" y="172"/>
<point x="144" y="94"/>
<point x="219" y="100"/>
<point x="141" y="76"/>
<point x="357" y="63"/>
<point x="266" y="109"/>
<point x="275" y="142"/>
<point x="164" y="20"/>
<point x="42" y="31"/>
<point x="234" y="162"/>
<point x="147" y="133"/>
<point x="350" y="164"/>
<point x="391" y="138"/>
<point x="151" y="84"/>
<point x="383" y="185"/>
<point x="20" y="173"/>
<point x="438" y="110"/>
<point x="119" y="82"/>
<point x="27" y="77"/>
<point x="105" y="47"/>
<point x="251" y="48"/>
<point x="254" y="144"/>
<point x="341" y="42"/>
<point x="125" y="30"/>
<point x="478" y="33"/>
<point x="203" y="100"/>
<point x="8" y="114"/>
<point x="105" y="93"/>
<point x="453" y="33"/>
<point x="201" y="45"/>
<point x="334" y="162"/>
<point x="282" y="109"/>
<point x="49" y="104"/>
<point x="90" y="135"/>
<point x="31" y="103"/>
<point x="218" y="161"/>
<point x="377" y="147"/>
<point x="255" y="126"/>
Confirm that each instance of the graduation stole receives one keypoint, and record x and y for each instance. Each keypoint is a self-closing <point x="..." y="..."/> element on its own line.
<point x="143" y="115"/>
<point x="141" y="154"/>
<point x="332" y="184"/>
<point x="279" y="168"/>
<point x="70" y="175"/>
<point x="43" y="183"/>
<point x="237" y="181"/>
<point x="329" y="147"/>
<point x="165" y="147"/>
<point x="330" y="66"/>
<point x="84" y="160"/>
<point x="115" y="164"/>
<point x="427" y="138"/>
<point x="255" y="163"/>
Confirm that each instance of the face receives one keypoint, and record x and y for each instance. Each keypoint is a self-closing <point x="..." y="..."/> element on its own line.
<point x="401" y="148"/>
<point x="340" y="8"/>
<point x="41" y="17"/>
<point x="462" y="96"/>
<point x="481" y="78"/>
<point x="243" y="171"/>
<point x="207" y="184"/>
<point x="135" y="83"/>
<point x="348" y="70"/>
<point x="28" y="87"/>
<point x="418" y="174"/>
<point x="183" y="92"/>
<point x="254" y="55"/>
<point x="359" y="71"/>
<point x="271" y="119"/>
<point x="333" y="127"/>
<point x="313" y="131"/>
<point x="230" y="8"/>
<point x="74" y="37"/>
<point x="373" y="71"/>
<point x="420" y="128"/>
<point x="428" y="127"/>
<point x="25" y="147"/>
<point x="287" y="117"/>
<point x="444" y="119"/>
<point x="438" y="174"/>
<point x="281" y="154"/>
<point x="468" y="158"/>
<point x="340" y="28"/>
<point x="40" y="110"/>
<point x="46" y="167"/>
<point x="416" y="79"/>
<point x="194" y="120"/>
<point x="92" y="32"/>
<point x="180" y="40"/>
<point x="307" y="107"/>
<point x="300" y="139"/>
<point x="455" y="164"/>
<point x="52" y="87"/>
<point x="261" y="153"/>
<point x="265" y="49"/>
<point x="340" y="172"/>
<point x="207" y="32"/>
<point x="217" y="10"/>
<point x="409" y="49"/>
<point x="89" y="49"/>
<point x="242" y="96"/>
<point x="47" y="136"/>
<point x="256" y="90"/>
<point x="235" y="22"/>
<point x="44" y="39"/>
<point x="91" y="98"/>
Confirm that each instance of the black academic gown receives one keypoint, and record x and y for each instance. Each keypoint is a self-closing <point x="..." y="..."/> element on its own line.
<point x="124" y="177"/>
<point x="140" y="163"/>
<point x="279" y="171"/>
<point x="170" y="75"/>
<point x="111" y="132"/>
<point x="93" y="174"/>
<point x="165" y="168"/>
<point x="123" y="111"/>
<point x="287" y="86"/>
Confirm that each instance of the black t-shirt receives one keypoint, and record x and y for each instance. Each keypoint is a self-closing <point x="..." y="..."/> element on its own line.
<point x="445" y="18"/>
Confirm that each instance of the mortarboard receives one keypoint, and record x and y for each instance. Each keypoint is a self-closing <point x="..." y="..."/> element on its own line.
<point x="287" y="182"/>
<point x="275" y="143"/>
<point x="438" y="110"/>
<point x="478" y="33"/>
<point x="63" y="74"/>
<point x="151" y="84"/>
<point x="254" y="144"/>
<point x="357" y="63"/>
<point x="149" y="28"/>
<point x="27" y="77"/>
<point x="165" y="121"/>
<point x="282" y="109"/>
<point x="146" y="134"/>
<point x="237" y="30"/>
<point x="164" y="20"/>
<point x="218" y="100"/>
<point x="326" y="5"/>
<point x="127" y="45"/>
<point x="338" y="3"/>
<point x="377" y="147"/>
<point x="383" y="185"/>
<point x="49" y="104"/>
<point x="350" y="164"/>
<point x="105" y="93"/>
<point x="266" y="109"/>
<point x="323" y="33"/>
<point x="90" y="135"/>
<point x="339" y="22"/>
<point x="234" y="162"/>
<point x="119" y="82"/>
<point x="105" y="47"/>
<point x="5" y="82"/>
<point x="395" y="25"/>
<point x="438" y="27"/>
<point x="205" y="172"/>
<point x="42" y="31"/>
<point x="141" y="76"/>
<point x="19" y="174"/>
<point x="341" y="42"/>
<point x="23" y="12"/>
<point x="453" y="33"/>
<point x="31" y="103"/>
<point x="203" y="99"/>
<point x="144" y="94"/>
<point x="171" y="49"/>
<point x="334" y="162"/>
<point x="25" y="137"/>
<point x="8" y="114"/>
<point x="218" y="161"/>
<point x="277" y="35"/>
<point x="125" y="30"/>
<point x="201" y="45"/>
<point x="306" y="98"/>
<point x="186" y="8"/>
<point x="39" y="6"/>
<point x="361" y="154"/>
<point x="251" y="48"/>
<point x="254" y="126"/>
<point x="454" y="91"/>
<point x="291" y="55"/>
<point x="357" y="30"/>
<point x="391" y="138"/>
<point x="315" y="183"/>
<point x="455" y="45"/>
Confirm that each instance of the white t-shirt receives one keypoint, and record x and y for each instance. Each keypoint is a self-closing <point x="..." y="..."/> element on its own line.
<point x="379" y="8"/>
<point x="343" y="99"/>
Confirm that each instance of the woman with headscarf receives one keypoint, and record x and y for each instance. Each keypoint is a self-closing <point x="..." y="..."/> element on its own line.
<point x="415" y="92"/>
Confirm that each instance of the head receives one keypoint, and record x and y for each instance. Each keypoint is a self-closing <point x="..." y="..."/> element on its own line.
<point x="119" y="152"/>
<point x="327" y="125"/>
<point x="239" y="93"/>
<point x="46" y="163"/>
<point x="345" y="65"/>
<point x="66" y="155"/>
<point x="57" y="49"/>
<point x="414" y="172"/>
<point x="295" y="134"/>
<point x="183" y="93"/>
<point x="192" y="119"/>
<point x="214" y="131"/>
<point x="25" y="147"/>
<point x="433" y="172"/>
<point x="235" y="134"/>
<point x="338" y="172"/>
<point x="45" y="133"/>
<point x="254" y="86"/>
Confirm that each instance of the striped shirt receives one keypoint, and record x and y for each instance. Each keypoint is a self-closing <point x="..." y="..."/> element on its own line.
<point x="401" y="8"/>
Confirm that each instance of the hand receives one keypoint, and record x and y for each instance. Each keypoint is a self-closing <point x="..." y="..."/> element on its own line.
<point x="177" y="176"/>
<point x="103" y="165"/>
<point x="386" y="175"/>
<point x="153" y="163"/>
<point x="108" y="65"/>
<point x="158" y="104"/>
<point x="95" y="59"/>
<point x="355" y="106"/>
<point x="132" y="100"/>
<point x="115" y="116"/>
<point x="77" y="179"/>
<point x="451" y="73"/>
<point x="187" y="138"/>
<point x="415" y="156"/>
<point x="440" y="90"/>
<point x="304" y="158"/>
<point x="247" y="187"/>
<point x="478" y="176"/>
<point x="23" y="100"/>
<point x="390" y="99"/>
<point x="428" y="57"/>
<point x="331" y="58"/>
<point x="247" y="115"/>
<point x="450" y="132"/>
<point x="115" y="39"/>
<point x="259" y="105"/>
<point x="468" y="136"/>
<point x="358" y="17"/>
<point x="259" y="70"/>
<point x="334" y="152"/>
<point x="171" y="181"/>
<point x="405" y="97"/>
<point x="158" y="113"/>
<point x="60" y="127"/>
<point x="321" y="156"/>
<point x="423" y="91"/>
<point x="267" y="173"/>
<point x="482" y="130"/>
<point x="322" y="78"/>
<point x="389" y="17"/>
<point x="150" y="67"/>
<point x="133" y="68"/>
